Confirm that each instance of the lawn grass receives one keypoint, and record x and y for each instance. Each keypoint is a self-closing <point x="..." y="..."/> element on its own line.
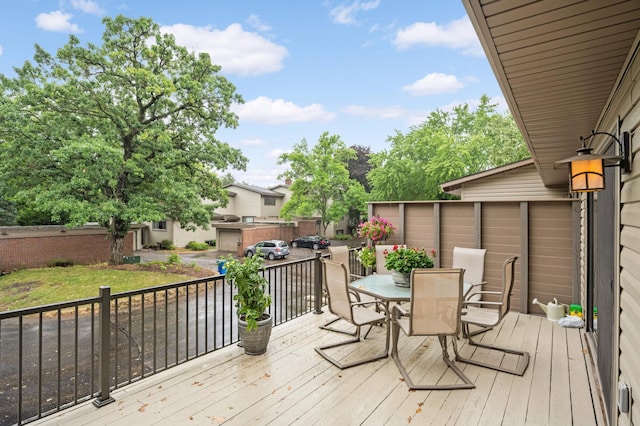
<point x="43" y="286"/>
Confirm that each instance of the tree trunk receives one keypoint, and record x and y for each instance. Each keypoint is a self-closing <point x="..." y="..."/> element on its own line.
<point x="118" y="230"/>
<point x="116" y="255"/>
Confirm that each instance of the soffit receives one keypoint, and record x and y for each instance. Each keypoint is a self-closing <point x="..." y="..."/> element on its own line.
<point x="557" y="62"/>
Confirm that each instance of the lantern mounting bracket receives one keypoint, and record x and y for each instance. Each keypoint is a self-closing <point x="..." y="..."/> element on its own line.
<point x="624" y="164"/>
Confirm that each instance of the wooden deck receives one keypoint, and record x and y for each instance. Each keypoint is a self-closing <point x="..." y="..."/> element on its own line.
<point x="292" y="384"/>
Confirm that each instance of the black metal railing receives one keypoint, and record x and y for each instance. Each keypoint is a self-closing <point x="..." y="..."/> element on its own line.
<point x="51" y="356"/>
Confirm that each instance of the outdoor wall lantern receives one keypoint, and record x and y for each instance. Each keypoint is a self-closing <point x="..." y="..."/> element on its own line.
<point x="587" y="170"/>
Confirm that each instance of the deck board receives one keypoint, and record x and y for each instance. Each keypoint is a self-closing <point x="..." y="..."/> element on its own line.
<point x="292" y="385"/>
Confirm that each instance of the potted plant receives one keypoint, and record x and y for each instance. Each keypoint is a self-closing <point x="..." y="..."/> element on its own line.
<point x="252" y="301"/>
<point x="401" y="261"/>
<point x="367" y="257"/>
<point x="376" y="229"/>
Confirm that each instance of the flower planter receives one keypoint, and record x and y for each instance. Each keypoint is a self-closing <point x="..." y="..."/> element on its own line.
<point x="255" y="341"/>
<point x="401" y="279"/>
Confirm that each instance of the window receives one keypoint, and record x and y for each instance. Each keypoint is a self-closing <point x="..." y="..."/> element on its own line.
<point x="269" y="201"/>
<point x="160" y="225"/>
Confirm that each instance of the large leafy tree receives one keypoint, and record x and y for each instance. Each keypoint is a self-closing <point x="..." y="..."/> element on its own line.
<point x="118" y="133"/>
<point x="446" y="146"/>
<point x="321" y="184"/>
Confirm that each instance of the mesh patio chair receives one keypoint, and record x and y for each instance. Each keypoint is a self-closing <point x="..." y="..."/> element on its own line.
<point x="341" y="254"/>
<point x="477" y="314"/>
<point x="472" y="261"/>
<point x="380" y="269"/>
<point x="434" y="310"/>
<point x="354" y="312"/>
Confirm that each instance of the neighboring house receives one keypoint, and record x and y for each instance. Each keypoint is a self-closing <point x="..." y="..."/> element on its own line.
<point x="254" y="203"/>
<point x="249" y="205"/>
<point x="565" y="69"/>
<point x="516" y="181"/>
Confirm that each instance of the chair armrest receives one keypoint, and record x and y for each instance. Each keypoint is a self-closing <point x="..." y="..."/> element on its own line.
<point x="355" y="294"/>
<point x="398" y="311"/>
<point x="480" y="302"/>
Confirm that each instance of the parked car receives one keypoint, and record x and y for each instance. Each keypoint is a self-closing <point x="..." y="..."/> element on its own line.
<point x="311" y="241"/>
<point x="271" y="249"/>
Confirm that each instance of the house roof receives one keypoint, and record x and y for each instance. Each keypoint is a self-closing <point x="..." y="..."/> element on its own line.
<point x="558" y="63"/>
<point x="456" y="184"/>
<point x="260" y="190"/>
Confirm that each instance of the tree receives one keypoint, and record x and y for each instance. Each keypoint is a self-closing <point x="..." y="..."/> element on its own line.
<point x="360" y="166"/>
<point x="118" y="133"/>
<point x="446" y="146"/>
<point x="321" y="184"/>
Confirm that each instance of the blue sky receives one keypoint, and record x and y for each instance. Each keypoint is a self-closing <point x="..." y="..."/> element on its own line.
<point x="358" y="69"/>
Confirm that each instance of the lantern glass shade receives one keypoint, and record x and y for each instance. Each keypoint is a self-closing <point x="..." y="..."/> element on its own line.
<point x="587" y="175"/>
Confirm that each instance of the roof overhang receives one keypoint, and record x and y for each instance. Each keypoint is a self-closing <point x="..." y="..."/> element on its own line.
<point x="558" y="63"/>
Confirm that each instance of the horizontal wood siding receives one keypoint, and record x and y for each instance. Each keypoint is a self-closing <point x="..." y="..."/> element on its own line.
<point x="420" y="225"/>
<point x="629" y="290"/>
<point x="501" y="229"/>
<point x="501" y="236"/>
<point x="457" y="229"/>
<point x="520" y="184"/>
<point x="551" y="254"/>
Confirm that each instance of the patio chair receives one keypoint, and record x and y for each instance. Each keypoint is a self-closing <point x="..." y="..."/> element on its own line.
<point x="341" y="254"/>
<point x="354" y="312"/>
<point x="490" y="316"/>
<point x="434" y="310"/>
<point x="472" y="261"/>
<point x="380" y="269"/>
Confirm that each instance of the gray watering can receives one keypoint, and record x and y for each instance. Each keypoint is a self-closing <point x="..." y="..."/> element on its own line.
<point x="553" y="309"/>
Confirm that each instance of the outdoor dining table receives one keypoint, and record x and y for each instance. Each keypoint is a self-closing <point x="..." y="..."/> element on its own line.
<point x="382" y="288"/>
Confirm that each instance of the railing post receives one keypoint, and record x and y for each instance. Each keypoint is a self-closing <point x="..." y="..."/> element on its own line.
<point x="317" y="284"/>
<point x="104" y="325"/>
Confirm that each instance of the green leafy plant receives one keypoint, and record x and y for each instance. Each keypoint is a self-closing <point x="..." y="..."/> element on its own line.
<point x="196" y="246"/>
<point x="166" y="245"/>
<point x="367" y="256"/>
<point x="405" y="259"/>
<point x="252" y="299"/>
<point x="376" y="229"/>
<point x="174" y="259"/>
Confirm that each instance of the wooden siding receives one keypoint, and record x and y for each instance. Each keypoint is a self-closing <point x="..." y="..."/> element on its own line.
<point x="629" y="282"/>
<point x="520" y="184"/>
<point x="540" y="233"/>
<point x="502" y="236"/>
<point x="551" y="253"/>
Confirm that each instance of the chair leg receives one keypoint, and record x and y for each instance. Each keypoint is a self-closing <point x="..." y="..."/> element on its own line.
<point x="466" y="333"/>
<point x="522" y="364"/>
<point x="322" y="351"/>
<point x="326" y="325"/>
<point x="445" y="356"/>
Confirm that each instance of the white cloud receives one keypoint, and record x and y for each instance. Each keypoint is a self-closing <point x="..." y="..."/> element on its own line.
<point x="255" y="22"/>
<point x="57" y="21"/>
<point x="379" y="113"/>
<point x="0" y="50"/>
<point x="458" y="34"/>
<point x="275" y="154"/>
<point x="345" y="14"/>
<point x="88" y="6"/>
<point x="434" y="83"/>
<point x="269" y="111"/>
<point x="237" y="51"/>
